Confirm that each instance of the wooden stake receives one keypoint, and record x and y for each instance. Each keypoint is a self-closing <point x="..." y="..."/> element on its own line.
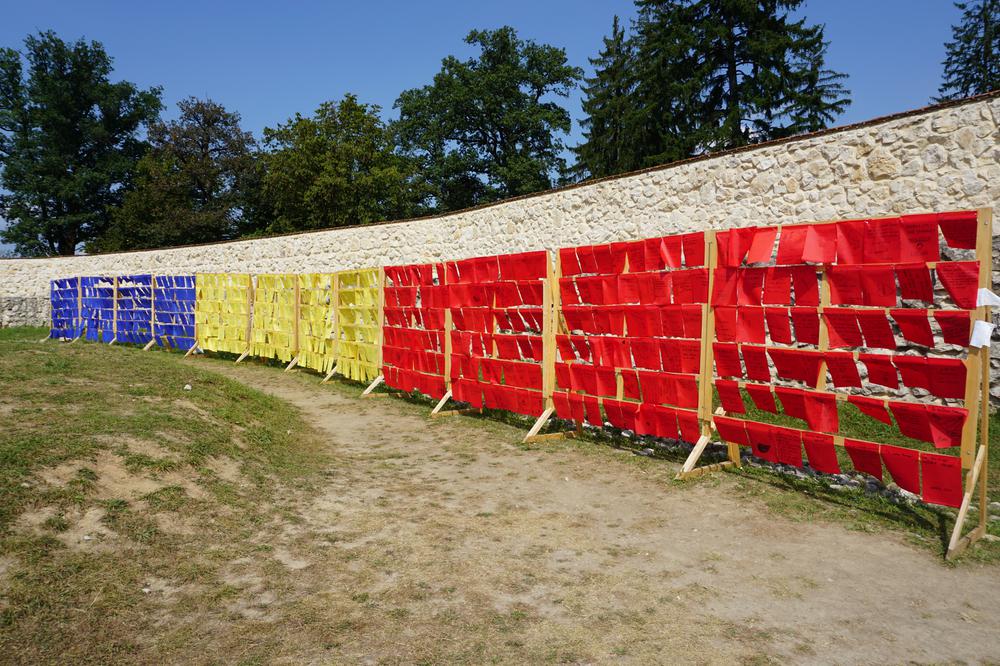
<point x="538" y="424"/>
<point x="371" y="387"/>
<point x="114" y="312"/>
<point x="329" y="374"/>
<point x="441" y="403"/>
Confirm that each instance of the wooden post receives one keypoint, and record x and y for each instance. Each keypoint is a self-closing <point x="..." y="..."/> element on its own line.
<point x="706" y="372"/>
<point x="977" y="400"/>
<point x="114" y="311"/>
<point x="251" y="294"/>
<point x="550" y="321"/>
<point x="297" y="311"/>
<point x="152" y="313"/>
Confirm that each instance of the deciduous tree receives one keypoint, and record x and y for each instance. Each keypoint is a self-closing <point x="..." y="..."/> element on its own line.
<point x="196" y="184"/>
<point x="339" y="167"/>
<point x="489" y="127"/>
<point x="69" y="142"/>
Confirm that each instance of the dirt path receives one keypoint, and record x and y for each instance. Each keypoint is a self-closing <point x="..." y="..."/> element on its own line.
<point x="445" y="541"/>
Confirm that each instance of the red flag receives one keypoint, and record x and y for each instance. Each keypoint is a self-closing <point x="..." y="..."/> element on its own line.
<point x="947" y="377"/>
<point x="914" y="325"/>
<point x="806" y="322"/>
<point x="821" y="244"/>
<point x="942" y="479"/>
<point x="880" y="370"/>
<point x="593" y="411"/>
<point x="959" y="229"/>
<point x="915" y="282"/>
<point x="750" y="326"/>
<point x="792" y="401"/>
<point x="561" y="402"/>
<point x="955" y="326"/>
<point x="779" y="325"/>
<point x="762" y="246"/>
<point x="791" y="245"/>
<point x="946" y="424"/>
<point x="731" y="430"/>
<point x="777" y="286"/>
<point x="724" y="286"/>
<point x="821" y="412"/>
<point x="727" y="360"/>
<point x="912" y="420"/>
<point x="688" y="424"/>
<point x="882" y="241"/>
<point x="865" y="457"/>
<point x="806" y="285"/>
<point x="636" y="253"/>
<point x="761" y="438"/>
<point x="918" y="238"/>
<point x="822" y="455"/>
<point x="568" y="263"/>
<point x="843" y="368"/>
<point x="851" y="242"/>
<point x="913" y="370"/>
<point x="842" y="325"/>
<point x="961" y="279"/>
<point x="694" y="249"/>
<point x="788" y="445"/>
<point x="903" y="465"/>
<point x="725" y="323"/>
<point x="730" y="397"/>
<point x="755" y="360"/>
<point x="876" y="329"/>
<point x="762" y="397"/>
<point x="879" y="286"/>
<point x="873" y="407"/>
<point x="845" y="285"/>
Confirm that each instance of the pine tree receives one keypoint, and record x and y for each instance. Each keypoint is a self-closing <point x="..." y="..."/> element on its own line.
<point x="607" y="101"/>
<point x="972" y="64"/>
<point x="718" y="74"/>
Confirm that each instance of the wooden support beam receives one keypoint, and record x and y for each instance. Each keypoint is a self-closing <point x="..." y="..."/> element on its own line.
<point x="970" y="485"/>
<point x="149" y="345"/>
<point x="549" y="436"/>
<point x="457" y="412"/>
<point x="371" y="387"/>
<point x="700" y="471"/>
<point x="292" y="364"/>
<point x="329" y="374"/>
<point x="441" y="403"/>
<point x="539" y="423"/>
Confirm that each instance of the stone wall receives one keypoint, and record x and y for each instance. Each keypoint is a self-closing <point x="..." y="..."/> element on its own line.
<point x="942" y="158"/>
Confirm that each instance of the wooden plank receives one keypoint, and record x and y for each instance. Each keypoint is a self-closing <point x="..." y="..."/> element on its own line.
<point x="550" y="320"/>
<point x="539" y="423"/>
<point x="970" y="481"/>
<point x="550" y="436"/>
<point x="701" y="471"/>
<point x="292" y="364"/>
<point x="441" y="403"/>
<point x="695" y="455"/>
<point x="371" y="387"/>
<point x="978" y="357"/>
<point x="152" y="313"/>
<point x="114" y="312"/>
<point x="329" y="374"/>
<point x="457" y="412"/>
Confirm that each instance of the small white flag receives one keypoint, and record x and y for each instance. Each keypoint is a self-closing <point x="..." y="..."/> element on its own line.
<point x="981" y="334"/>
<point x="987" y="297"/>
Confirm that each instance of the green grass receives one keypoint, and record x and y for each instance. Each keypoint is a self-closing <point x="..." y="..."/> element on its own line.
<point x="75" y="407"/>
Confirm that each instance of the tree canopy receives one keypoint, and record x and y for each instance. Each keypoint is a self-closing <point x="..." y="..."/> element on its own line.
<point x="709" y="75"/>
<point x="972" y="63"/>
<point x="607" y="105"/>
<point x="336" y="168"/>
<point x="69" y="142"/>
<point x="195" y="185"/>
<point x="488" y="127"/>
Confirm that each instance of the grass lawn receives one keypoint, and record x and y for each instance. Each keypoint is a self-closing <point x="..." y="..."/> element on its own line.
<point x="144" y="481"/>
<point x="219" y="524"/>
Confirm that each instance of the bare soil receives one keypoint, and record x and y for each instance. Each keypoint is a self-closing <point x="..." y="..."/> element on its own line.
<point x="445" y="540"/>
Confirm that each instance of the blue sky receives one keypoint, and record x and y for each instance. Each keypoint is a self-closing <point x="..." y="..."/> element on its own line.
<point x="269" y="60"/>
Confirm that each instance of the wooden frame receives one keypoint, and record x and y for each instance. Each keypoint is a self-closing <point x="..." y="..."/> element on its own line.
<point x="976" y="399"/>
